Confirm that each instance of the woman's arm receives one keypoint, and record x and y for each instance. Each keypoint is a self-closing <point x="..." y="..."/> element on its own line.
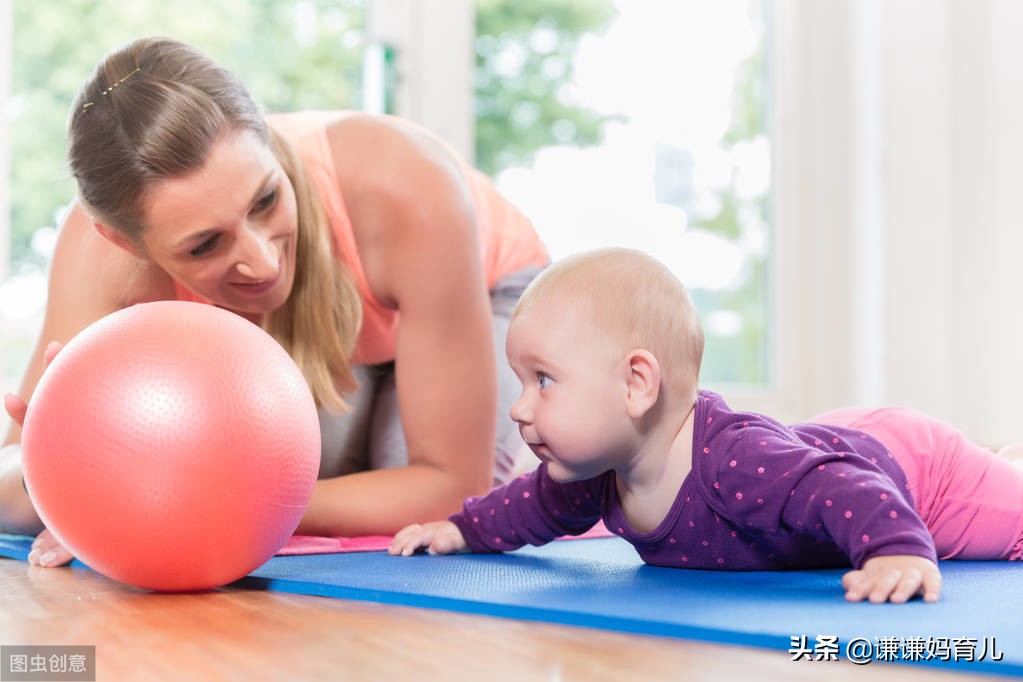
<point x="414" y="224"/>
<point x="89" y="278"/>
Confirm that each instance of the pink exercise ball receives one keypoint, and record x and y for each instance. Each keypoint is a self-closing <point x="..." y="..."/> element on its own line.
<point x="172" y="446"/>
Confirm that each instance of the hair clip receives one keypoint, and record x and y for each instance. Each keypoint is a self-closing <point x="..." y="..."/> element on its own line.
<point x="107" y="91"/>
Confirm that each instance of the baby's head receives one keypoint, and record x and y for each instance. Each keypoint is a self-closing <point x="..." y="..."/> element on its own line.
<point x="632" y="299"/>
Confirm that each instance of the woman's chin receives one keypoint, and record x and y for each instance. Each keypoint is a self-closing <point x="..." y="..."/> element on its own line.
<point x="257" y="306"/>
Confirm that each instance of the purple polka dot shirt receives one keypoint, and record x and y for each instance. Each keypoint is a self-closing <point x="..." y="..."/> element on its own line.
<point x="760" y="496"/>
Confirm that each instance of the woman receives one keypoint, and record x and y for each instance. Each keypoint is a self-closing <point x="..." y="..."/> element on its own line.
<point x="384" y="265"/>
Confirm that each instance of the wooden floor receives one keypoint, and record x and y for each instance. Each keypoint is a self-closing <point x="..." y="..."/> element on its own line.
<point x="250" y="635"/>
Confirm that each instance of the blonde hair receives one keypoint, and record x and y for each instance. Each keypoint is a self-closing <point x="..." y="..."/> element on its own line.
<point x="635" y="300"/>
<point x="153" y="110"/>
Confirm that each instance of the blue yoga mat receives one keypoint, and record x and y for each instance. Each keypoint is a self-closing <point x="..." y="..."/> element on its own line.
<point x="602" y="583"/>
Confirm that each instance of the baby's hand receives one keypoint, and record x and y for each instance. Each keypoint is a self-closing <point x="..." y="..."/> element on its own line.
<point x="896" y="578"/>
<point x="438" y="537"/>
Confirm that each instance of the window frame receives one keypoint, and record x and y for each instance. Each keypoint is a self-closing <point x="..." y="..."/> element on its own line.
<point x="434" y="51"/>
<point x="6" y="69"/>
<point x="430" y="50"/>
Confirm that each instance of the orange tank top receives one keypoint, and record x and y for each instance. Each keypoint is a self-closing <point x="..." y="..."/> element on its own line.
<point x="507" y="239"/>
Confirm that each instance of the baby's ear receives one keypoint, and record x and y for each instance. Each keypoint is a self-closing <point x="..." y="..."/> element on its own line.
<point x="643" y="382"/>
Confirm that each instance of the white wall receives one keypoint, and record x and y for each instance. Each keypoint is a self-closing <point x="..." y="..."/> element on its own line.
<point x="955" y="211"/>
<point x="900" y="194"/>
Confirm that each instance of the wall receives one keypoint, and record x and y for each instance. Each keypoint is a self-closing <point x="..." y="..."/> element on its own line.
<point x="900" y="192"/>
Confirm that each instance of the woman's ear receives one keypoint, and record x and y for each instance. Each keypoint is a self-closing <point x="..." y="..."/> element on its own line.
<point x="643" y="382"/>
<point x="118" y="239"/>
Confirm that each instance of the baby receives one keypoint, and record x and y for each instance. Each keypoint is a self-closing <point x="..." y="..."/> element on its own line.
<point x="608" y="345"/>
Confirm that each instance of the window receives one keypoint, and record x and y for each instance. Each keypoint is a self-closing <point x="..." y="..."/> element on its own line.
<point x="610" y="122"/>
<point x="814" y="203"/>
<point x="658" y="142"/>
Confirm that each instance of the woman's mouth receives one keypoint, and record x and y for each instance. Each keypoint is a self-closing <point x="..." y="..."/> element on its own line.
<point x="258" y="288"/>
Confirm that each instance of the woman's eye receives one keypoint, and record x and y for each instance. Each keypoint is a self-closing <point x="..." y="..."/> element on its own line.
<point x="205" y="247"/>
<point x="542" y="380"/>
<point x="266" y="202"/>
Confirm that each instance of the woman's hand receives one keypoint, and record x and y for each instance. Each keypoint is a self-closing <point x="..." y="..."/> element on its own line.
<point x="437" y="537"/>
<point x="896" y="578"/>
<point x="46" y="550"/>
<point x="15" y="406"/>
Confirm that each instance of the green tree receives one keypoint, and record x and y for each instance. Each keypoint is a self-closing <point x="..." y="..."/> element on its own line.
<point x="524" y="59"/>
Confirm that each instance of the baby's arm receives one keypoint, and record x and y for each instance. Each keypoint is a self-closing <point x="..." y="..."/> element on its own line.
<point x="531" y="509"/>
<point x="895" y="578"/>
<point x="437" y="537"/>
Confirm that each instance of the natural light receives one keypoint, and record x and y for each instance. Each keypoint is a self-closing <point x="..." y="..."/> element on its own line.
<point x="671" y="175"/>
<point x="670" y="69"/>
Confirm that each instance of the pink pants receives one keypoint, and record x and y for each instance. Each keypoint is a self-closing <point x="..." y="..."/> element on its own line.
<point x="970" y="498"/>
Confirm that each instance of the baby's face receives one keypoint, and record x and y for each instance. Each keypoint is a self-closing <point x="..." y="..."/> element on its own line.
<point x="571" y="411"/>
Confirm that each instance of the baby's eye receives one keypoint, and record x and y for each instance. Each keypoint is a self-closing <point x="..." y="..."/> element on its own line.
<point x="542" y="380"/>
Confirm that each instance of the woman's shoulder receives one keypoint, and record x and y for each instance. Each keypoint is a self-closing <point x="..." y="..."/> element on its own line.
<point x="365" y="139"/>
<point x="345" y="123"/>
<point x="382" y="141"/>
<point x="359" y="148"/>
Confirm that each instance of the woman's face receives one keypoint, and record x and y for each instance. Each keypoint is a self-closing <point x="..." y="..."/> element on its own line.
<point x="227" y="231"/>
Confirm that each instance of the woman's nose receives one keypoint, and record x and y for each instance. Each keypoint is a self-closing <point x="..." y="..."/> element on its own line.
<point x="258" y="256"/>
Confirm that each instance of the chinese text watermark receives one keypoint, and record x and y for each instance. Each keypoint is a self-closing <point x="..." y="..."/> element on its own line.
<point x="863" y="650"/>
<point x="47" y="663"/>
